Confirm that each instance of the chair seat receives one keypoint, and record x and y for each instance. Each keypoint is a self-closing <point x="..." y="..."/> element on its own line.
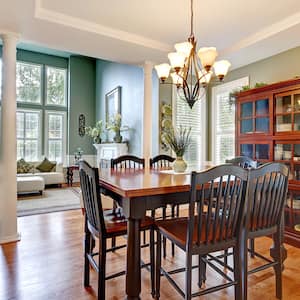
<point x="116" y="223"/>
<point x="176" y="231"/>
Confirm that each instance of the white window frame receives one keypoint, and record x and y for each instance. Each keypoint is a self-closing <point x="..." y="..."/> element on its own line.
<point x="64" y="138"/>
<point x="203" y="104"/>
<point x="224" y="88"/>
<point x="41" y="80"/>
<point x="46" y="87"/>
<point x="39" y="111"/>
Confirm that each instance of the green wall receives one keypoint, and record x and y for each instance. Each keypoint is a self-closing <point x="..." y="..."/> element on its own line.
<point x="280" y="67"/>
<point x="109" y="75"/>
<point x="82" y="87"/>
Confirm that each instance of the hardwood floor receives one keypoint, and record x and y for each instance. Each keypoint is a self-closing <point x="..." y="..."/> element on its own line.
<point x="48" y="264"/>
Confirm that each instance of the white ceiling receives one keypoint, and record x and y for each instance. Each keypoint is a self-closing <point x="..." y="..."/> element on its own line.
<point x="134" y="31"/>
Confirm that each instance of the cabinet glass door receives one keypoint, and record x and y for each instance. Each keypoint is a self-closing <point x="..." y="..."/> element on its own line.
<point x="292" y="212"/>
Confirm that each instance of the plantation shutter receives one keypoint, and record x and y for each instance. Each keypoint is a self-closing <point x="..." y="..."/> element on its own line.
<point x="194" y="118"/>
<point x="223" y="120"/>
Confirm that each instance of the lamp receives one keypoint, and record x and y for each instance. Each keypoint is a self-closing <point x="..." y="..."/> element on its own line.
<point x="189" y="74"/>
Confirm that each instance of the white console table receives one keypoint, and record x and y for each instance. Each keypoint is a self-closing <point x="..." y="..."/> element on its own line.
<point x="110" y="150"/>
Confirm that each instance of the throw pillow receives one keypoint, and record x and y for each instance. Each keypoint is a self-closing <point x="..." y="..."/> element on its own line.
<point x="46" y="166"/>
<point x="24" y="167"/>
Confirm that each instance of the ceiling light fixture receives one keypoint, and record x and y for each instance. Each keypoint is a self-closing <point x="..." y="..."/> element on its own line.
<point x="188" y="73"/>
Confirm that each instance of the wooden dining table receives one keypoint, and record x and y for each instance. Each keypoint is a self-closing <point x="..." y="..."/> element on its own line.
<point x="136" y="192"/>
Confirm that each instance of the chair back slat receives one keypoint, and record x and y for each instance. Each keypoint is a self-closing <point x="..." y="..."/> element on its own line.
<point x="127" y="162"/>
<point x="243" y="161"/>
<point x="161" y="161"/>
<point x="222" y="195"/>
<point x="267" y="195"/>
<point x="89" y="183"/>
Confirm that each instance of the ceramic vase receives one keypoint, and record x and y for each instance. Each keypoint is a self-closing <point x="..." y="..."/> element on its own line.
<point x="118" y="137"/>
<point x="97" y="140"/>
<point x="179" y="165"/>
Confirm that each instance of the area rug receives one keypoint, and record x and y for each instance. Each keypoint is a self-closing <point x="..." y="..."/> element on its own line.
<point x="52" y="200"/>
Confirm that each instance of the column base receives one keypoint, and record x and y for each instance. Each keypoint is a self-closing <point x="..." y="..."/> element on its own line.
<point x="10" y="239"/>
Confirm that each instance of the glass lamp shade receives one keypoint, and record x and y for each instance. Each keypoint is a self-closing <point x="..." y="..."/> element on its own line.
<point x="176" y="79"/>
<point x="163" y="71"/>
<point x="221" y="68"/>
<point x="184" y="47"/>
<point x="207" y="57"/>
<point x="204" y="77"/>
<point x="176" y="60"/>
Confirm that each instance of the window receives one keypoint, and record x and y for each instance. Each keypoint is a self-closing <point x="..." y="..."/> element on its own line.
<point x="55" y="135"/>
<point x="223" y="120"/>
<point x="28" y="134"/>
<point x="56" y="86"/>
<point x="29" y="83"/>
<point x="194" y="118"/>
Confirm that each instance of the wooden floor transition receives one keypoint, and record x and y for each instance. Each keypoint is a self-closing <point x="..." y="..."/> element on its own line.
<point x="48" y="264"/>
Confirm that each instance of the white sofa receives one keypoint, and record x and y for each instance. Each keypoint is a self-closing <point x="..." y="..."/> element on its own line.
<point x="53" y="177"/>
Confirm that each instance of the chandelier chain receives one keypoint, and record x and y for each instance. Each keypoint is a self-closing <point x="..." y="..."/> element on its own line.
<point x="192" y="19"/>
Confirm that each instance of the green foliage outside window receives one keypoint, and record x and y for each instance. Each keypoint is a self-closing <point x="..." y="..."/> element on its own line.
<point x="56" y="80"/>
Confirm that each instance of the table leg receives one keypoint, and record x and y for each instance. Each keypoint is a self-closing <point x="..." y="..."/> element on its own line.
<point x="133" y="268"/>
<point x="70" y="176"/>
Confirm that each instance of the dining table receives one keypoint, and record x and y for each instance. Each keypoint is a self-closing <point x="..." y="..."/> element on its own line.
<point x="137" y="191"/>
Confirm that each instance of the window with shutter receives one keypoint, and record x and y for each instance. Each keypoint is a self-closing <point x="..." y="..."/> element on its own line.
<point x="196" y="119"/>
<point x="223" y="120"/>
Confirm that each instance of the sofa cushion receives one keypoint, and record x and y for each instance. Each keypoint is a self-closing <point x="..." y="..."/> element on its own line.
<point x="46" y="166"/>
<point x="24" y="167"/>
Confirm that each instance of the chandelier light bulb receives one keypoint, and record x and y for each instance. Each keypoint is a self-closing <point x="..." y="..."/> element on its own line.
<point x="163" y="71"/>
<point x="184" y="48"/>
<point x="207" y="57"/>
<point x="204" y="77"/>
<point x="178" y="80"/>
<point x="221" y="68"/>
<point x="176" y="60"/>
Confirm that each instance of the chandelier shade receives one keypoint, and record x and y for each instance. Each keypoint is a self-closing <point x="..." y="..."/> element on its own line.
<point x="192" y="71"/>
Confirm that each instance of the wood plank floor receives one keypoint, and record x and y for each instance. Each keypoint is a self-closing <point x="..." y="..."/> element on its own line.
<point x="48" y="264"/>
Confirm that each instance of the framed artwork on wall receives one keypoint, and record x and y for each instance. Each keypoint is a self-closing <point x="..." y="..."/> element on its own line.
<point x="112" y="103"/>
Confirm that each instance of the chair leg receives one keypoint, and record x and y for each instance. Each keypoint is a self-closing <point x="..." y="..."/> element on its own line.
<point x="240" y="257"/>
<point x="279" y="266"/>
<point x="226" y="257"/>
<point x="113" y="243"/>
<point x="158" y="265"/>
<point x="152" y="262"/>
<point x="164" y="239"/>
<point x="188" y="276"/>
<point x="252" y="248"/>
<point x="201" y="270"/>
<point x="102" y="269"/>
<point x="173" y="215"/>
<point x="144" y="237"/>
<point x="87" y="250"/>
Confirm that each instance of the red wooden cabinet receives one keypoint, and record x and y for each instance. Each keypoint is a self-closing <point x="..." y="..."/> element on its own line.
<point x="268" y="129"/>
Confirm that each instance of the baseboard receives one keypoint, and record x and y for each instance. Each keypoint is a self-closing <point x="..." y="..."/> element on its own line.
<point x="10" y="239"/>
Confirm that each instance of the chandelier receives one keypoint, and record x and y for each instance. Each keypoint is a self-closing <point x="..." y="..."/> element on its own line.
<point x="187" y="72"/>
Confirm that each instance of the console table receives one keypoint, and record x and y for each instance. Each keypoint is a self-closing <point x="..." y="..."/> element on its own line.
<point x="110" y="150"/>
<point x="70" y="174"/>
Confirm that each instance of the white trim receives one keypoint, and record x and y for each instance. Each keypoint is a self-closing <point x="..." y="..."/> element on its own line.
<point x="91" y="159"/>
<point x="10" y="239"/>
<point x="64" y="137"/>
<point x="226" y="87"/>
<point x="83" y="25"/>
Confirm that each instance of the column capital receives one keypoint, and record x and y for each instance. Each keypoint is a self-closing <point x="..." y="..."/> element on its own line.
<point x="6" y="35"/>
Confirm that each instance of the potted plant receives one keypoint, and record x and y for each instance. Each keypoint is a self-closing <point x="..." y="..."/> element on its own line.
<point x="95" y="132"/>
<point x="178" y="140"/>
<point x="115" y="125"/>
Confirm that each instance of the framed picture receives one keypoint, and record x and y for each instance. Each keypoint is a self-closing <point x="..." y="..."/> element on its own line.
<point x="113" y="103"/>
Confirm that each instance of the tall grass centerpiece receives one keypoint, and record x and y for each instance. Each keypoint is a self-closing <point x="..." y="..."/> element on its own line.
<point x="178" y="140"/>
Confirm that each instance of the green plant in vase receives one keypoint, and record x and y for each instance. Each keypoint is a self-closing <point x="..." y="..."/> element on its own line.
<point x="115" y="125"/>
<point x="95" y="132"/>
<point x="178" y="140"/>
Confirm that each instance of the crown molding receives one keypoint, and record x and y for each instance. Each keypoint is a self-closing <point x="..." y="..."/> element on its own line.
<point x="92" y="27"/>
<point x="265" y="33"/>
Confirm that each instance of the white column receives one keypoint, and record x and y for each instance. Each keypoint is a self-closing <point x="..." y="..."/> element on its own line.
<point x="8" y="184"/>
<point x="147" y="117"/>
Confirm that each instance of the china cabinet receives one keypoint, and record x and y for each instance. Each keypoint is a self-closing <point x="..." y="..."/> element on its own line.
<point x="268" y="129"/>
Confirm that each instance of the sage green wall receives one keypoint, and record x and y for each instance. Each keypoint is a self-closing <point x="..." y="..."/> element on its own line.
<point x="283" y="66"/>
<point x="82" y="86"/>
<point x="109" y="75"/>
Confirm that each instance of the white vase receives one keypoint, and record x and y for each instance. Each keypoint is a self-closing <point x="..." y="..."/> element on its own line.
<point x="179" y="165"/>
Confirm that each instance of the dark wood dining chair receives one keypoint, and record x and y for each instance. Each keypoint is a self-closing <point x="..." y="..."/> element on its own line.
<point x="102" y="225"/>
<point x="127" y="162"/>
<point x="268" y="186"/>
<point x="209" y="228"/>
<point x="244" y="162"/>
<point x="163" y="161"/>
